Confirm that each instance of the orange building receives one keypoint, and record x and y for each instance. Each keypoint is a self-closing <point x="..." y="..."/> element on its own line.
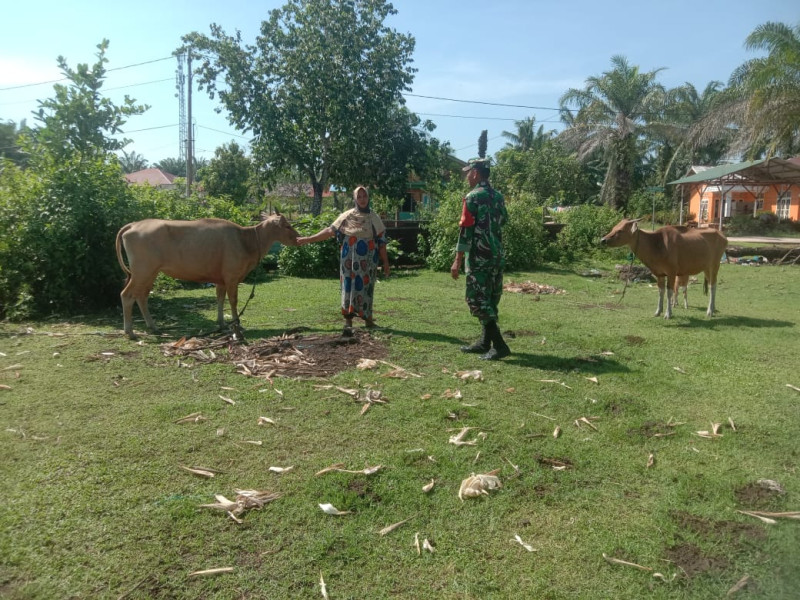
<point x="715" y="194"/>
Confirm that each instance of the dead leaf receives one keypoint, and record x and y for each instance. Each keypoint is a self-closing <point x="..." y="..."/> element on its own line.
<point x="458" y="439"/>
<point x="794" y="387"/>
<point x="617" y="561"/>
<point x="334" y="467"/>
<point x="228" y="400"/>
<point x="428" y="487"/>
<point x="650" y="460"/>
<point x="477" y="485"/>
<point x="555" y="381"/>
<point x="731" y="423"/>
<point x="587" y="421"/>
<point x="679" y="370"/>
<point x="474" y="375"/>
<point x="322" y="587"/>
<point x="195" y="417"/>
<point x="366" y="363"/>
<point x="254" y="442"/>
<point x="715" y="428"/>
<point x="739" y="585"/>
<point x="416" y="543"/>
<point x="391" y="528"/>
<point x="216" y="571"/>
<point x="510" y="390"/>
<point x="426" y="545"/>
<point x="772" y="485"/>
<point x="266" y="421"/>
<point x="592" y="379"/>
<point x="280" y="470"/>
<point x="556" y="432"/>
<point x="5" y="387"/>
<point x="198" y="471"/>
<point x="330" y="509"/>
<point x="527" y="547"/>
<point x="767" y="520"/>
<point x="448" y="393"/>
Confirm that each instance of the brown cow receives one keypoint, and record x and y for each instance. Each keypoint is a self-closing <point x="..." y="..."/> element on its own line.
<point x="671" y="252"/>
<point x="681" y="281"/>
<point x="207" y="251"/>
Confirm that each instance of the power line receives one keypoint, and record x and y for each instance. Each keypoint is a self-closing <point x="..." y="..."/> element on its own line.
<point x="26" y="85"/>
<point x="223" y="132"/>
<point x="480" y="102"/>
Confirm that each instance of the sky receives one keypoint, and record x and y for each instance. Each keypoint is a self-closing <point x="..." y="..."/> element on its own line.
<point x="481" y="65"/>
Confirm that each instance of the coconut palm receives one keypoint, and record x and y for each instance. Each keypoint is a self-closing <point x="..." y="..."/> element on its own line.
<point x="527" y="137"/>
<point x="132" y="162"/>
<point x="771" y="86"/>
<point x="614" y="111"/>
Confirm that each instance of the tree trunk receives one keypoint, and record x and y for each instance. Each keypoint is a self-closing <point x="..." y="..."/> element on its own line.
<point x="316" y="204"/>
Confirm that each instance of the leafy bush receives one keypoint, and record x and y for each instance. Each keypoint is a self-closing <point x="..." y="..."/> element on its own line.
<point x="765" y="223"/>
<point x="524" y="237"/>
<point x="585" y="225"/>
<point x="312" y="260"/>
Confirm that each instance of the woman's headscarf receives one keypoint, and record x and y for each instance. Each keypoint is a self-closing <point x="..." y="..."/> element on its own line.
<point x="355" y="197"/>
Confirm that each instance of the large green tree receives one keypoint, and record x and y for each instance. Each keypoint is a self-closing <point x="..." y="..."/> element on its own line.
<point x="613" y="112"/>
<point x="60" y="215"/>
<point x="316" y="87"/>
<point x="78" y="119"/>
<point x="229" y="173"/>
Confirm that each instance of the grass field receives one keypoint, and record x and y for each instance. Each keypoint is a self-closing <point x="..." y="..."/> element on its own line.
<point x="96" y="504"/>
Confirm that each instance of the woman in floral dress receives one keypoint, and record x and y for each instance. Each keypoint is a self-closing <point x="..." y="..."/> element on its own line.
<point x="362" y="241"/>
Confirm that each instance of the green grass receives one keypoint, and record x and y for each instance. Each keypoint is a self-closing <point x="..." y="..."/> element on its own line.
<point x="96" y="506"/>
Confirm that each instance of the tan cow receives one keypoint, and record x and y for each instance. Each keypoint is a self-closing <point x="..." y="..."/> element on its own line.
<point x="207" y="251"/>
<point x="671" y="252"/>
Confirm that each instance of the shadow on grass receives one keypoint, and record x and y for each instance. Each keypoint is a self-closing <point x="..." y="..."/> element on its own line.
<point x="735" y="321"/>
<point x="548" y="362"/>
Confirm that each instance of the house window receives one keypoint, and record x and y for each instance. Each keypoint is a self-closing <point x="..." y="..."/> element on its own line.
<point x="784" y="201"/>
<point x="703" y="216"/>
<point x="409" y="205"/>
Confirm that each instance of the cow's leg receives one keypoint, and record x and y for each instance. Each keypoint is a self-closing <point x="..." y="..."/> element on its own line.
<point x="127" y="309"/>
<point x="221" y="291"/>
<point x="686" y="295"/>
<point x="670" y="292"/>
<point x="711" y="278"/>
<point x="660" y="279"/>
<point x="135" y="291"/>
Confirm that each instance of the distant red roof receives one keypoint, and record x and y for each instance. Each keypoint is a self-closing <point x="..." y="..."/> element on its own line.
<point x="154" y="177"/>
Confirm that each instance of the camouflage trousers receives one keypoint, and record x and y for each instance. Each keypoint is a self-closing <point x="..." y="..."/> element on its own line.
<point x="484" y="289"/>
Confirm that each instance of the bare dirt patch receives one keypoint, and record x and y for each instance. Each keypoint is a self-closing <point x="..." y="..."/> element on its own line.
<point x="634" y="340"/>
<point x="756" y="496"/>
<point x="693" y="561"/>
<point x="288" y="355"/>
<point x="559" y="462"/>
<point x="706" y="527"/>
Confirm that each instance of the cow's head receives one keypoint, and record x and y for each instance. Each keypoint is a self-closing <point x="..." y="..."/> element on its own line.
<point x="282" y="230"/>
<point x="622" y="234"/>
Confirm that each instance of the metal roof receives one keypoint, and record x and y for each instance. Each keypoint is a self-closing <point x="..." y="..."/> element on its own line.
<point x="769" y="171"/>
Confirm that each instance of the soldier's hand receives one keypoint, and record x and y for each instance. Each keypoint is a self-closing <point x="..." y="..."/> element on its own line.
<point x="454" y="269"/>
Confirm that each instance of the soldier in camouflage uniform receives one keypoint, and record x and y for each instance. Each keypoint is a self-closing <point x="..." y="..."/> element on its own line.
<point x="481" y="238"/>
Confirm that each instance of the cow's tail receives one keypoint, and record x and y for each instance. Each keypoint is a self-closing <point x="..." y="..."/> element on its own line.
<point x="119" y="251"/>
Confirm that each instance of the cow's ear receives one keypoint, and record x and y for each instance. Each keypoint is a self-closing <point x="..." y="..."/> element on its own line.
<point x="635" y="226"/>
<point x="277" y="212"/>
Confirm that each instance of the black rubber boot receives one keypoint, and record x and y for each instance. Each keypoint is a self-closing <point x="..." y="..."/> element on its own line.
<point x="499" y="347"/>
<point x="482" y="345"/>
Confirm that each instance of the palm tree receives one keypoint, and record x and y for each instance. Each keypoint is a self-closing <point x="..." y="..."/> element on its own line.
<point x="614" y="111"/>
<point x="132" y="162"/>
<point x="772" y="88"/>
<point x="526" y="137"/>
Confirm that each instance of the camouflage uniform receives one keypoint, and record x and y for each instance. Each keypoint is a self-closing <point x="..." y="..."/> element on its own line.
<point x="481" y="239"/>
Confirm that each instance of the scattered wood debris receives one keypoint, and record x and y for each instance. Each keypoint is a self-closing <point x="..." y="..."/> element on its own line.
<point x="739" y="585"/>
<point x="390" y="528"/>
<point x="530" y="287"/>
<point x="527" y="547"/>
<point x="206" y="572"/>
<point x="330" y="509"/>
<point x="195" y="417"/>
<point x="617" y="561"/>
<point x="245" y="500"/>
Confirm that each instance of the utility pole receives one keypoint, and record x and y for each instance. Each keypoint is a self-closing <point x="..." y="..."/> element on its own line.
<point x="189" y="132"/>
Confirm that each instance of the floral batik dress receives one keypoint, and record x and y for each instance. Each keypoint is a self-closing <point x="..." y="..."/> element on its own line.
<point x="360" y="236"/>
